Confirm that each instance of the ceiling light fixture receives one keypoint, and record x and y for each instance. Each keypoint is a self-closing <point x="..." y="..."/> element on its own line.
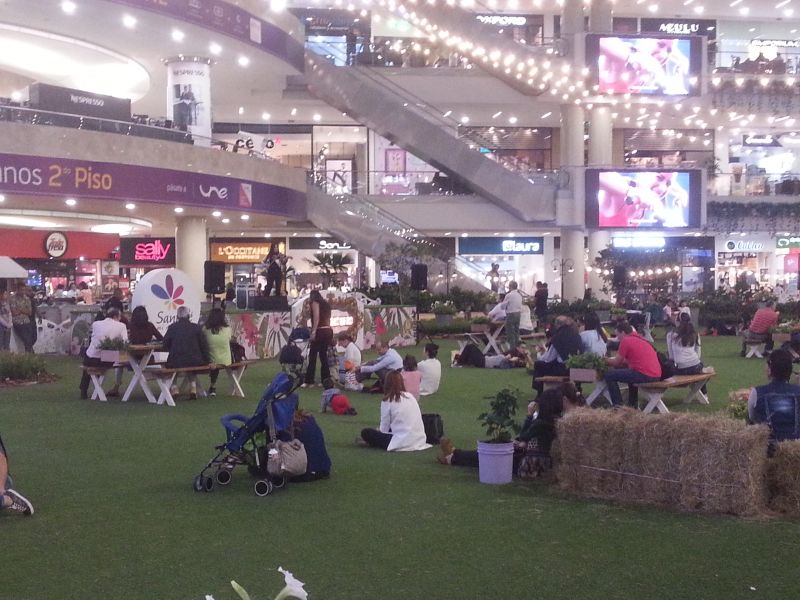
<point x="216" y="214"/>
<point x="226" y="220"/>
<point x="245" y="217"/>
<point x="178" y="209"/>
<point x="266" y="116"/>
<point x="129" y="21"/>
<point x="317" y="118"/>
<point x="130" y="206"/>
<point x="70" y="202"/>
<point x="243" y="61"/>
<point x="69" y="7"/>
<point x="215" y="48"/>
<point x="177" y="35"/>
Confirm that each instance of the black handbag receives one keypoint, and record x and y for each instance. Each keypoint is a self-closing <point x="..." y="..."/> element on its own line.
<point x="434" y="428"/>
<point x="667" y="366"/>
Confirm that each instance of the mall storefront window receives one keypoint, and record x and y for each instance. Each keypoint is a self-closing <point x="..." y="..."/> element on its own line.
<point x="518" y="259"/>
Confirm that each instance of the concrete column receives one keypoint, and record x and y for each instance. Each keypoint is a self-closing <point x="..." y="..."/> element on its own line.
<point x="572" y="30"/>
<point x="600" y="18"/>
<point x="572" y="160"/>
<point x="722" y="183"/>
<point x="572" y="255"/>
<point x="191" y="247"/>
<point x="601" y="130"/>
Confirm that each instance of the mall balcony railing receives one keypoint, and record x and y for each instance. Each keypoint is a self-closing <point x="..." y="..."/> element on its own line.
<point x="741" y="183"/>
<point x="408" y="183"/>
<point x="157" y="129"/>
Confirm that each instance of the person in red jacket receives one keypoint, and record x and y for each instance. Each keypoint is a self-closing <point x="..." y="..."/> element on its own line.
<point x="635" y="362"/>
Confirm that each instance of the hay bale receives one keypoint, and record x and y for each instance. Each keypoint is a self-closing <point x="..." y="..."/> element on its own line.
<point x="783" y="478"/>
<point x="696" y="463"/>
<point x="722" y="466"/>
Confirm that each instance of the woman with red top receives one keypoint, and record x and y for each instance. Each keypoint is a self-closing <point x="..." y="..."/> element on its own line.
<point x="636" y="362"/>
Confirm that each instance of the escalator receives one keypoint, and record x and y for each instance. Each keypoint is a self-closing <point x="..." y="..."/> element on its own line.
<point x="408" y="122"/>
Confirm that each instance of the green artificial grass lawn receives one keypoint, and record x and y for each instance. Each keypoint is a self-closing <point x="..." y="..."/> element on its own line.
<point x="116" y="516"/>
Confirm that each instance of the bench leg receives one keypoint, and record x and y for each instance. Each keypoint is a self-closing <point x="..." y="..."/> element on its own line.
<point x="600" y="389"/>
<point x="696" y="394"/>
<point x="755" y="350"/>
<point x="98" y="393"/>
<point x="165" y="385"/>
<point x="654" y="402"/>
<point x="236" y="380"/>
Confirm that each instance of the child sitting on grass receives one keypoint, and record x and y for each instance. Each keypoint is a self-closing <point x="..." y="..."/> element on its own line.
<point x="350" y="381"/>
<point x="333" y="397"/>
<point x="411" y="377"/>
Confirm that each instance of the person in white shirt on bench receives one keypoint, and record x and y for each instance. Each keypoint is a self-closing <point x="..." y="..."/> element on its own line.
<point x="111" y="327"/>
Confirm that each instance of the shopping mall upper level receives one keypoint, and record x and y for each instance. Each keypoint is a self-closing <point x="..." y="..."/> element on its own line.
<point x="416" y="117"/>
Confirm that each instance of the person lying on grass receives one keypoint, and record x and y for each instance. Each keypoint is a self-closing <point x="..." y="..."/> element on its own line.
<point x="401" y="427"/>
<point x="471" y="356"/>
<point x="537" y="433"/>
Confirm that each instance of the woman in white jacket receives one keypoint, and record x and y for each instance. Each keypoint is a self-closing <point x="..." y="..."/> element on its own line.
<point x="401" y="427"/>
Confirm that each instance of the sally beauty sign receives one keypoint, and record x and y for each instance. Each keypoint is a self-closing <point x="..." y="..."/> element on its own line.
<point x="162" y="292"/>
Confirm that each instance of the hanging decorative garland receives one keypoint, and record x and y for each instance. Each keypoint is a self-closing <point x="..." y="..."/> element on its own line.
<point x="753" y="216"/>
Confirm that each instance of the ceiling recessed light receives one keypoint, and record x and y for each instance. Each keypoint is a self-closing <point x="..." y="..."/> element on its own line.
<point x="317" y="235"/>
<point x="216" y="214"/>
<point x="70" y="202"/>
<point x="744" y="11"/>
<point x="130" y="206"/>
<point x="245" y="217"/>
<point x="266" y="235"/>
<point x="512" y="120"/>
<point x="177" y="35"/>
<point x="497" y="114"/>
<point x="226" y="220"/>
<point x="653" y="8"/>
<point x="464" y="120"/>
<point x="266" y="116"/>
<point x="129" y="21"/>
<point x="215" y="49"/>
<point x="243" y="61"/>
<point x="277" y="5"/>
<point x="293" y="112"/>
<point x="317" y="118"/>
<point x="241" y="110"/>
<point x="2" y="198"/>
<point x="69" y="7"/>
<point x="178" y="209"/>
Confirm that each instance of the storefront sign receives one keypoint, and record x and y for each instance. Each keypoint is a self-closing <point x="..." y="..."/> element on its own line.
<point x="766" y="139"/>
<point x="706" y="27"/>
<point x="246" y="253"/>
<point x="55" y="244"/>
<point x="38" y="175"/>
<point x="78" y="102"/>
<point x="502" y="20"/>
<point x="783" y="242"/>
<point x="498" y="245"/>
<point x="223" y="17"/>
<point x="322" y="244"/>
<point x="743" y="246"/>
<point x="639" y="242"/>
<point x="774" y="43"/>
<point x="147" y="252"/>
<point x="162" y="292"/>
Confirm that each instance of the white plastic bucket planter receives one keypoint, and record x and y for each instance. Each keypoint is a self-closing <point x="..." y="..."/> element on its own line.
<point x="495" y="462"/>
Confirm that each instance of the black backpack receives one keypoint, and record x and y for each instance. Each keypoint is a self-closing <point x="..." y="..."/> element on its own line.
<point x="434" y="428"/>
<point x="291" y="354"/>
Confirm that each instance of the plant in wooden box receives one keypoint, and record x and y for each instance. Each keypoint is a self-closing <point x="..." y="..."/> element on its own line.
<point x="783" y="332"/>
<point x="480" y="324"/>
<point x="444" y="311"/>
<point x="586" y="368"/>
<point x="496" y="455"/>
<point x="113" y="350"/>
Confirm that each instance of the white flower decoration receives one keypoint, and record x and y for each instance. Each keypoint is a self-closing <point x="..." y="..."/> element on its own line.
<point x="293" y="589"/>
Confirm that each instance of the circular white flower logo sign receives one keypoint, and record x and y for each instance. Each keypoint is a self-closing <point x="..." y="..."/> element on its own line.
<point x="162" y="291"/>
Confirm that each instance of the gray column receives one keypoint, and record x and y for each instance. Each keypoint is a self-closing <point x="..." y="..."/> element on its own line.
<point x="600" y="19"/>
<point x="191" y="247"/>
<point x="572" y="256"/>
<point x="600" y="149"/>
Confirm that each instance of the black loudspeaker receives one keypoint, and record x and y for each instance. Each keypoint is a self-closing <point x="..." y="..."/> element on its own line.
<point x="271" y="303"/>
<point x="620" y="279"/>
<point x="419" y="277"/>
<point x="214" y="281"/>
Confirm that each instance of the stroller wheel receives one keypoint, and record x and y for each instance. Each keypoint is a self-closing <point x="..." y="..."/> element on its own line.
<point x="262" y="488"/>
<point x="278" y="482"/>
<point x="224" y="476"/>
<point x="197" y="484"/>
<point x="208" y="484"/>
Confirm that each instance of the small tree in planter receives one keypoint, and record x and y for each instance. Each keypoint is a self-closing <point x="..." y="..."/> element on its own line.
<point x="113" y="350"/>
<point x="496" y="455"/>
<point x="586" y="368"/>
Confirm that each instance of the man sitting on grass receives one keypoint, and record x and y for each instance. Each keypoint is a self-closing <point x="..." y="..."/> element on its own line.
<point x="10" y="499"/>
<point x="388" y="360"/>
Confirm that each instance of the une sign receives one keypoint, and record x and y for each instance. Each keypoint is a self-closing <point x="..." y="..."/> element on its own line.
<point x="162" y="292"/>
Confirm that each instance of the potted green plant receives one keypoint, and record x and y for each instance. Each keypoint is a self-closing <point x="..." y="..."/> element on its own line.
<point x="496" y="455"/>
<point x="113" y="350"/>
<point x="443" y="311"/>
<point x="586" y="368"/>
<point x="480" y="324"/>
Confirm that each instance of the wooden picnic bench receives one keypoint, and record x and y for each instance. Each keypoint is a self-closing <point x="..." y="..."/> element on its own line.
<point x="654" y="392"/>
<point x="165" y="378"/>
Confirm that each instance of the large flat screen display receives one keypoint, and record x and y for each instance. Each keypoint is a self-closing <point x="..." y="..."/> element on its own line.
<point x="633" y="199"/>
<point x="646" y="65"/>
